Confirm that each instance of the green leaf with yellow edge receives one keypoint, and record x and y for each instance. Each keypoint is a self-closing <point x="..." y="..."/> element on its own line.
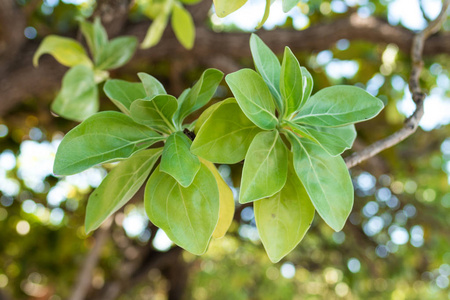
<point x="119" y="186"/>
<point x="188" y="215"/>
<point x="283" y="219"/>
<point x="155" y="113"/>
<point x="265" y="167"/>
<point x="183" y="26"/>
<point x="326" y="180"/>
<point x="339" y="105"/>
<point x="78" y="97"/>
<point x="225" y="7"/>
<point x="226" y="207"/>
<point x="122" y="93"/>
<point x="266" y="14"/>
<point x="291" y="83"/>
<point x="226" y="135"/>
<point x="177" y="159"/>
<point x="65" y="50"/>
<point x="103" y="137"/>
<point x="253" y="97"/>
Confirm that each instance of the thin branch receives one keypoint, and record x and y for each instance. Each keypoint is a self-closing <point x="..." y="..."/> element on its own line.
<point x="411" y="124"/>
<point x="83" y="284"/>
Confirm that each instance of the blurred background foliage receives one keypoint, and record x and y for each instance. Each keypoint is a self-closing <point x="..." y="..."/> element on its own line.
<point x="396" y="244"/>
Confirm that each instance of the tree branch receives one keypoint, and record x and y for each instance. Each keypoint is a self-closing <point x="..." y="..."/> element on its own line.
<point x="209" y="46"/>
<point x="83" y="284"/>
<point x="411" y="124"/>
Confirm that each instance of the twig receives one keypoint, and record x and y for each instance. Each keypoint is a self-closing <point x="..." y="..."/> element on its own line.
<point x="83" y="284"/>
<point x="411" y="124"/>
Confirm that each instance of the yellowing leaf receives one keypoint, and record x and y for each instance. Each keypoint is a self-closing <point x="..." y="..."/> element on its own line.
<point x="66" y="51"/>
<point x="183" y="26"/>
<point x="226" y="199"/>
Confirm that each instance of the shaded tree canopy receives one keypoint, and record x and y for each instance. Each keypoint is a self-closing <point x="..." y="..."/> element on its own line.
<point x="396" y="241"/>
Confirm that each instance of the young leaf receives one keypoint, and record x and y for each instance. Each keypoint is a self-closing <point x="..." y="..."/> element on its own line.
<point x="116" y="53"/>
<point x="291" y="83"/>
<point x="187" y="215"/>
<point x="289" y="4"/>
<point x="326" y="179"/>
<point x="253" y="97"/>
<point x="283" y="219"/>
<point x="78" y="97"/>
<point x="266" y="14"/>
<point x="225" y="7"/>
<point x="119" y="186"/>
<point x="183" y="26"/>
<point x="95" y="35"/>
<point x="308" y="84"/>
<point x="65" y="50"/>
<point x="100" y="138"/>
<point x="156" y="113"/>
<point x="265" y="167"/>
<point x="155" y="31"/>
<point x="226" y="207"/>
<point x="337" y="106"/>
<point x="123" y="93"/>
<point x="199" y="94"/>
<point x="151" y="85"/>
<point x="334" y="140"/>
<point x="267" y="64"/>
<point x="226" y="135"/>
<point x="178" y="161"/>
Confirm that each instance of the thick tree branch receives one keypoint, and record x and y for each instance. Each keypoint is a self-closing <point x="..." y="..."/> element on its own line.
<point x="418" y="96"/>
<point x="209" y="46"/>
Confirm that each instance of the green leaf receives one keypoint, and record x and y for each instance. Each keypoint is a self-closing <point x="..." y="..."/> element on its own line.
<point x="339" y="105"/>
<point x="265" y="167"/>
<point x="291" y="84"/>
<point x="226" y="199"/>
<point x="103" y="137"/>
<point x="155" y="31"/>
<point x="78" y="97"/>
<point x="119" y="186"/>
<point x="253" y="97"/>
<point x="123" y="93"/>
<point x="266" y="14"/>
<point x="117" y="53"/>
<point x="177" y="159"/>
<point x="187" y="215"/>
<point x="95" y="35"/>
<point x="65" y="50"/>
<point x="190" y="2"/>
<point x="326" y="179"/>
<point x="199" y="95"/>
<point x="289" y="4"/>
<point x="183" y="26"/>
<point x="334" y="140"/>
<point x="308" y="84"/>
<point x="156" y="113"/>
<point x="226" y="135"/>
<point x="267" y="64"/>
<point x="205" y="115"/>
<point x="225" y="7"/>
<point x="283" y="219"/>
<point x="151" y="85"/>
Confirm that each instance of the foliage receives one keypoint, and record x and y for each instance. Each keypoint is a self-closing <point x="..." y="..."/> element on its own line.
<point x="78" y="97"/>
<point x="273" y="107"/>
